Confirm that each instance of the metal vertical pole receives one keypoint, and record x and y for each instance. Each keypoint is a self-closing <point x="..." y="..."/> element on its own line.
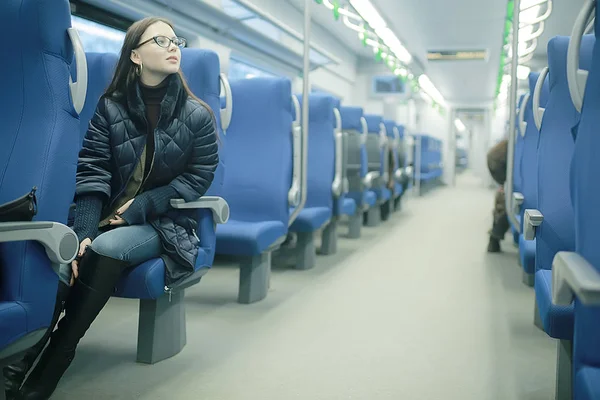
<point x="508" y="188"/>
<point x="450" y="151"/>
<point x="305" y="102"/>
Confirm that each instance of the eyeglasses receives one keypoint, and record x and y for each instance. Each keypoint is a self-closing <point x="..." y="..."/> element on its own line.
<point x="165" y="42"/>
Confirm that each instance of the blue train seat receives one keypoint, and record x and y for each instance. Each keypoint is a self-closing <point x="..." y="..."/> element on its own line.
<point x="557" y="231"/>
<point x="527" y="198"/>
<point x="360" y="180"/>
<point x="377" y="156"/>
<point x="551" y="224"/>
<point x="318" y="209"/>
<point x="393" y="134"/>
<point x="404" y="159"/>
<point x="258" y="181"/>
<point x="343" y="205"/>
<point x="101" y="68"/>
<point x="524" y="111"/>
<point x="162" y="326"/>
<point x="428" y="158"/>
<point x="576" y="275"/>
<point x="38" y="148"/>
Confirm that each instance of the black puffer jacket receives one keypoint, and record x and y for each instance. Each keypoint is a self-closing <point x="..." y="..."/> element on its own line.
<point x="185" y="158"/>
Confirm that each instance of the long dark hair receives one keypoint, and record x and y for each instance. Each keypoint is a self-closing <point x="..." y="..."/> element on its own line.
<point x="126" y="70"/>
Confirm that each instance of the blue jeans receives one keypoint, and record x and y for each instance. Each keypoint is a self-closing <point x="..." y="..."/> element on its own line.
<point x="135" y="244"/>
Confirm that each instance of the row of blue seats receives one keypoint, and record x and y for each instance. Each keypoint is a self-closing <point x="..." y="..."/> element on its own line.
<point x="555" y="203"/>
<point x="428" y="157"/>
<point x="251" y="207"/>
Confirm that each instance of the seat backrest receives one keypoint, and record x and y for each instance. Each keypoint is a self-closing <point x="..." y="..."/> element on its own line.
<point x="518" y="149"/>
<point x="528" y="167"/>
<point x="519" y="140"/>
<point x="373" y="142"/>
<point x="201" y="68"/>
<point x="402" y="158"/>
<point x="426" y="153"/>
<point x="321" y="150"/>
<point x="339" y="202"/>
<point x="585" y="196"/>
<point x="101" y="68"/>
<point x="555" y="150"/>
<point x="38" y="147"/>
<point x="357" y="153"/>
<point x="260" y="150"/>
<point x="390" y="127"/>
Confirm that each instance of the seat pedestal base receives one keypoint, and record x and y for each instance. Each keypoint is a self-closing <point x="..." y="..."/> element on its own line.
<point x="161" y="328"/>
<point x="329" y="238"/>
<point x="355" y="223"/>
<point x="564" y="370"/>
<point x="255" y="273"/>
<point x="305" y="251"/>
<point x="373" y="216"/>
<point x="528" y="279"/>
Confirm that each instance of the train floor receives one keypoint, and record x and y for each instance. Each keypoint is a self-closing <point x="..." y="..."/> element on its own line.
<point x="416" y="309"/>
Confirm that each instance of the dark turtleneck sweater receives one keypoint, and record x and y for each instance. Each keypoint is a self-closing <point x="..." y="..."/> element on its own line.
<point x="153" y="97"/>
<point x="149" y="203"/>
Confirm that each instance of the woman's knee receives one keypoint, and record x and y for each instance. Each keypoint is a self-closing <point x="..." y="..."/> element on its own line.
<point x="106" y="246"/>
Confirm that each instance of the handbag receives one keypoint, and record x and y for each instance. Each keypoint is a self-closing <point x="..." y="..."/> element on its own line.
<point x="22" y="209"/>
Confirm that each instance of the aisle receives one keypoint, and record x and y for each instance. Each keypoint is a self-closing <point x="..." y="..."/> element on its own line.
<point x="415" y="310"/>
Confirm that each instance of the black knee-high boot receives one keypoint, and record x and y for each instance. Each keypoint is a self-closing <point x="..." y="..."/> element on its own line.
<point x="14" y="374"/>
<point x="98" y="276"/>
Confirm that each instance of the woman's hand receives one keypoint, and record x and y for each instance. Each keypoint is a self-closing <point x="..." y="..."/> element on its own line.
<point x="75" y="263"/>
<point x="117" y="220"/>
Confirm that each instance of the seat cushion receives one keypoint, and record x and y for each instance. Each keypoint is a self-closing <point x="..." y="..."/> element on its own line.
<point x="370" y="198"/>
<point x="348" y="207"/>
<point x="147" y="280"/>
<point x="383" y="194"/>
<point x="311" y="219"/>
<point x="397" y="189"/>
<point x="248" y="238"/>
<point x="587" y="384"/>
<point x="427" y="176"/>
<point x="527" y="254"/>
<point x="557" y="320"/>
<point x="13" y="322"/>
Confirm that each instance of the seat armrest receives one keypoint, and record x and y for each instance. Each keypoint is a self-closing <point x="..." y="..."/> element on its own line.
<point x="59" y="241"/>
<point x="217" y="205"/>
<point x="518" y="200"/>
<point x="531" y="220"/>
<point x="370" y="178"/>
<point x="573" y="276"/>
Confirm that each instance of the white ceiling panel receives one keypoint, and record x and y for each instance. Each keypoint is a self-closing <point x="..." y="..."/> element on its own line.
<point x="428" y="25"/>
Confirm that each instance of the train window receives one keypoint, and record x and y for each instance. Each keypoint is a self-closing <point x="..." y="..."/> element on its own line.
<point x="242" y="70"/>
<point x="97" y="37"/>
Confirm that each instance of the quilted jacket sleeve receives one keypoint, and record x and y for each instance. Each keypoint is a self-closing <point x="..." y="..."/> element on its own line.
<point x="200" y="172"/>
<point x="93" y="168"/>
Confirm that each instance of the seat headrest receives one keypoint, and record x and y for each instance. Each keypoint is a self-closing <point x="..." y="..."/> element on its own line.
<point x="101" y="68"/>
<point x="262" y="94"/>
<point x="389" y="127"/>
<point x="374" y="122"/>
<point x="351" y="118"/>
<point x="533" y="78"/>
<point x="557" y="57"/>
<point x="320" y="108"/>
<point x="199" y="67"/>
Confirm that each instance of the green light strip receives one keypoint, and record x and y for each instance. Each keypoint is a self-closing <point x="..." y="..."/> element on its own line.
<point x="508" y="22"/>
